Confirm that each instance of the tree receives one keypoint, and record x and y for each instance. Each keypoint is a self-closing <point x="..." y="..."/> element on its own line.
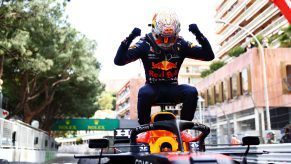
<point x="105" y="101"/>
<point x="205" y="73"/>
<point x="216" y="65"/>
<point x="236" y="51"/>
<point x="42" y="55"/>
<point x="73" y="99"/>
<point x="285" y="37"/>
<point x="212" y="68"/>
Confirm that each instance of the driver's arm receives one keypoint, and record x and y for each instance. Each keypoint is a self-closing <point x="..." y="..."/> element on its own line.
<point x="126" y="54"/>
<point x="203" y="52"/>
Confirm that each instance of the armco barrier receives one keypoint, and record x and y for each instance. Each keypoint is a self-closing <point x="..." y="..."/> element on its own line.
<point x="265" y="153"/>
<point x="19" y="142"/>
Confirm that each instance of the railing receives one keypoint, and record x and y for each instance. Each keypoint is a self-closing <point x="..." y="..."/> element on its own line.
<point x="241" y="18"/>
<point x="123" y="109"/>
<point x="225" y="6"/>
<point x="242" y="34"/>
<point x="123" y="95"/>
<point x="230" y="15"/>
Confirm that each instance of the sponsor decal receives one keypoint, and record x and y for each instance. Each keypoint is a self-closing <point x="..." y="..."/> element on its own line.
<point x="191" y="45"/>
<point x="133" y="46"/>
<point x="164" y="65"/>
<point x="144" y="127"/>
<point x="163" y="74"/>
<point x="194" y="146"/>
<point x="140" y="161"/>
<point x="143" y="148"/>
<point x="122" y="133"/>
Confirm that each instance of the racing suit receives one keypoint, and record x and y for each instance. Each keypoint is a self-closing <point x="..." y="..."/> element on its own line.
<point x="161" y="72"/>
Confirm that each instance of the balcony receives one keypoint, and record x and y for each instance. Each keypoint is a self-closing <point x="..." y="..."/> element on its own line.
<point x="121" y="97"/>
<point x="224" y="8"/>
<point x="252" y="26"/>
<point x="123" y="109"/>
<point x="274" y="26"/>
<point x="234" y="12"/>
<point x="249" y="12"/>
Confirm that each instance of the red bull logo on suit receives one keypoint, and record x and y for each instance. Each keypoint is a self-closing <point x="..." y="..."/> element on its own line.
<point x="164" y="65"/>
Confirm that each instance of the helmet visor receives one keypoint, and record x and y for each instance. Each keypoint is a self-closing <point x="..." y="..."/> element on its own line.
<point x="165" y="39"/>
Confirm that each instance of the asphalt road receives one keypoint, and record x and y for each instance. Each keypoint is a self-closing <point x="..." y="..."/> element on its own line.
<point x="69" y="159"/>
<point x="64" y="159"/>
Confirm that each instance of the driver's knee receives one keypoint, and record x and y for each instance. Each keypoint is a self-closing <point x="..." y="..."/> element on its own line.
<point x="190" y="92"/>
<point x="146" y="92"/>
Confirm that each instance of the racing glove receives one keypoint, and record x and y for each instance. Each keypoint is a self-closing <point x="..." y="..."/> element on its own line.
<point x="195" y="30"/>
<point x="135" y="33"/>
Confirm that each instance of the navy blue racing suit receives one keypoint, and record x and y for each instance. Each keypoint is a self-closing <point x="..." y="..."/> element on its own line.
<point x="161" y="72"/>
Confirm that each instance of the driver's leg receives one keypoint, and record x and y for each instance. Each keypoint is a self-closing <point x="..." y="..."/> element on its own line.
<point x="146" y="96"/>
<point x="188" y="95"/>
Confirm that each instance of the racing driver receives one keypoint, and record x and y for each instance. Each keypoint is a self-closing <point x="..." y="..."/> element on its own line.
<point x="162" y="52"/>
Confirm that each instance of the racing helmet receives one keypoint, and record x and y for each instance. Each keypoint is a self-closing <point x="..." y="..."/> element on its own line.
<point x="165" y="28"/>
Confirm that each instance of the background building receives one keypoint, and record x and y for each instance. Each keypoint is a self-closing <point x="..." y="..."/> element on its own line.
<point x="126" y="99"/>
<point x="190" y="71"/>
<point x="260" y="17"/>
<point x="234" y="95"/>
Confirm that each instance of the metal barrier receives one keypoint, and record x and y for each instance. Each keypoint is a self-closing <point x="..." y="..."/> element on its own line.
<point x="265" y="153"/>
<point x="19" y="142"/>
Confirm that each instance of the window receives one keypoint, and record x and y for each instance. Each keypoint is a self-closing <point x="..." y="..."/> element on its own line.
<point x="286" y="77"/>
<point x="247" y="125"/>
<point x="187" y="70"/>
<point x="46" y="143"/>
<point x="288" y="71"/>
<point x="35" y="140"/>
<point x="234" y="89"/>
<point x="204" y="95"/>
<point x="225" y="88"/>
<point x="245" y="81"/>
<point x="211" y="99"/>
<point x="218" y="92"/>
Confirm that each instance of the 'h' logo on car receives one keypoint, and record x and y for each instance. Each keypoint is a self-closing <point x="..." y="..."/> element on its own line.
<point x="122" y="133"/>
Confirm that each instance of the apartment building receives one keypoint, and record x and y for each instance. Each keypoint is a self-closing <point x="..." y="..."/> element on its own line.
<point x="234" y="95"/>
<point x="126" y="98"/>
<point x="259" y="17"/>
<point x="190" y="71"/>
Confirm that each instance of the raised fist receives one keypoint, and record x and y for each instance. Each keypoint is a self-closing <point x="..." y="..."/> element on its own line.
<point x="194" y="29"/>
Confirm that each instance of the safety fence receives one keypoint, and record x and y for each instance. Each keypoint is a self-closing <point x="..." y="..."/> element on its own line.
<point x="20" y="142"/>
<point x="265" y="153"/>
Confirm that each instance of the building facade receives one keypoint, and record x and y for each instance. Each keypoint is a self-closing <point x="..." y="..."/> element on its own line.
<point x="126" y="99"/>
<point x="259" y="17"/>
<point x="234" y="95"/>
<point x="190" y="71"/>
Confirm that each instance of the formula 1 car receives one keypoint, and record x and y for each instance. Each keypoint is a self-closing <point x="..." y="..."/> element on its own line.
<point x="166" y="147"/>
